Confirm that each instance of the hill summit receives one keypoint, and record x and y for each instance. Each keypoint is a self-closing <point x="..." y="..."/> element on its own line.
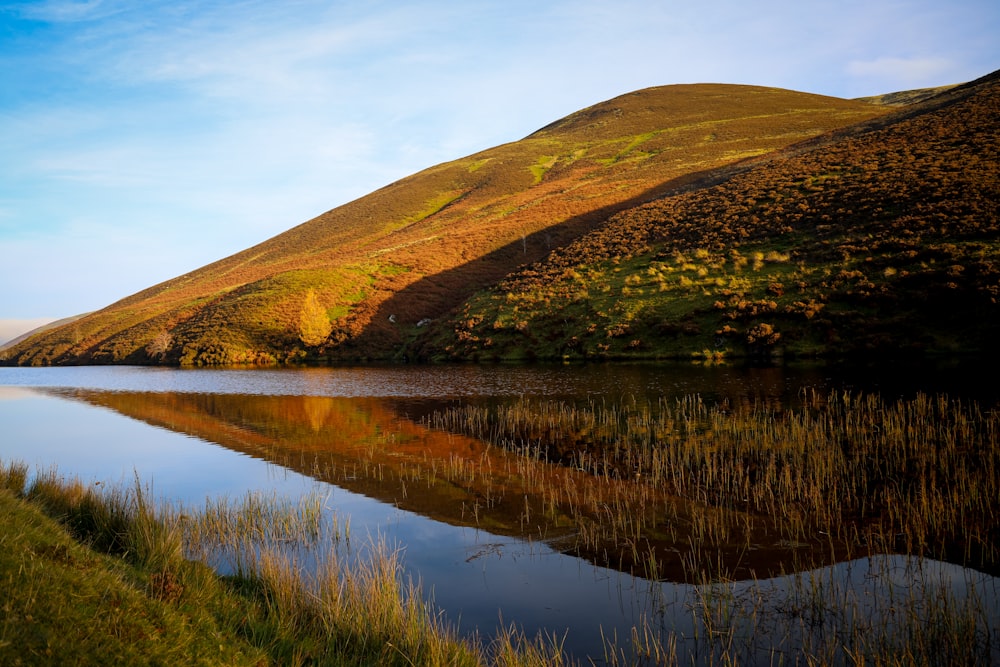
<point x="693" y="219"/>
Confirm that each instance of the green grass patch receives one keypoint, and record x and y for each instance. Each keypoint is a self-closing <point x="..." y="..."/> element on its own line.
<point x="478" y="164"/>
<point x="94" y="575"/>
<point x="66" y="604"/>
<point x="542" y="166"/>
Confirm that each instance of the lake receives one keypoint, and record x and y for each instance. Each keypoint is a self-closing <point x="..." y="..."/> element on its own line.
<point x="361" y="439"/>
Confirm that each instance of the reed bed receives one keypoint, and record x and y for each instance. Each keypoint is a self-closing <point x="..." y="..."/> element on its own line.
<point x="848" y="473"/>
<point x="318" y="595"/>
<point x="910" y="611"/>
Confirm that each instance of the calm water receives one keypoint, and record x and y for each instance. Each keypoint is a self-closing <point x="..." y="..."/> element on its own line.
<point x="197" y="434"/>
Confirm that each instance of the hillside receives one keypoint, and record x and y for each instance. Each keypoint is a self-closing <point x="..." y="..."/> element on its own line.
<point x="905" y="97"/>
<point x="881" y="238"/>
<point x="36" y="330"/>
<point x="359" y="281"/>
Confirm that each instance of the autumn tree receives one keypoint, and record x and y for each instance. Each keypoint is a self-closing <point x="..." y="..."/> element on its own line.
<point x="314" y="323"/>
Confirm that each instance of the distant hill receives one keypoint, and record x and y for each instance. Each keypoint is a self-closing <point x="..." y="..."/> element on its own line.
<point x="905" y="97"/>
<point x="731" y="205"/>
<point x="36" y="326"/>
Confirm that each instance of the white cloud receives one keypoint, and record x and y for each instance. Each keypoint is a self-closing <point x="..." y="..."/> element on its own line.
<point x="916" y="71"/>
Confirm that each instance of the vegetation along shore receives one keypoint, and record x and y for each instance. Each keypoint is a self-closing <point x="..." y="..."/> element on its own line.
<point x="724" y="498"/>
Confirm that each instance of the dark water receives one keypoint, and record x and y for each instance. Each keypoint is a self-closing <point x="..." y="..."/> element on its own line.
<point x="197" y="434"/>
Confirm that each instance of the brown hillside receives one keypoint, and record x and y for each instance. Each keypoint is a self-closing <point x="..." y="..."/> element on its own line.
<point x="355" y="281"/>
<point x="881" y="237"/>
<point x="905" y="97"/>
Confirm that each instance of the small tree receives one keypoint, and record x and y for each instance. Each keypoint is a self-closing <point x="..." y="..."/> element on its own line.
<point x="314" y="323"/>
<point x="160" y="346"/>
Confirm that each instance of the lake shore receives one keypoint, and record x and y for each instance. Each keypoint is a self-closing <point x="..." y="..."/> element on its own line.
<point x="106" y="584"/>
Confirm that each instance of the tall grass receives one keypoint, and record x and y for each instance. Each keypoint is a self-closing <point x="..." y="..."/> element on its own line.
<point x="115" y="520"/>
<point x="909" y="612"/>
<point x="302" y="601"/>
<point x="312" y="594"/>
<point x="846" y="473"/>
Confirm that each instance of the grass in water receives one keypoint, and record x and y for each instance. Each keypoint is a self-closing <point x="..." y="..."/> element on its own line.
<point x="848" y="474"/>
<point x="96" y="576"/>
<point x="865" y="480"/>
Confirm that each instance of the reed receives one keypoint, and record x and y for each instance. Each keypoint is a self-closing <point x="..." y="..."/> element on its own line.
<point x="298" y="590"/>
<point x="13" y="476"/>
<point x="909" y="612"/>
<point x="841" y="472"/>
<point x="111" y="519"/>
<point x="645" y="487"/>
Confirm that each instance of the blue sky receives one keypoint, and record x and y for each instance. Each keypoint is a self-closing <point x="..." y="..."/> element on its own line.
<point x="140" y="140"/>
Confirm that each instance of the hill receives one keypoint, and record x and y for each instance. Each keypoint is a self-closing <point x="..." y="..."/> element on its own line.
<point x="36" y="327"/>
<point x="409" y="270"/>
<point x="881" y="238"/>
<point x="905" y="97"/>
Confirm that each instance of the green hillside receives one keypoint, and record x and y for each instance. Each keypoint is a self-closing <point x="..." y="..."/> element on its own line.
<point x="651" y="180"/>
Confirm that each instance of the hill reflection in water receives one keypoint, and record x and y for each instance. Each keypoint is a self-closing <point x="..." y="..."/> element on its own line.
<point x="486" y="529"/>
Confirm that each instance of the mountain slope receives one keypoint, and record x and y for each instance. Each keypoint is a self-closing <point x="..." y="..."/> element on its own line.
<point x="356" y="281"/>
<point x="883" y="237"/>
<point x="43" y="326"/>
<point x="905" y="97"/>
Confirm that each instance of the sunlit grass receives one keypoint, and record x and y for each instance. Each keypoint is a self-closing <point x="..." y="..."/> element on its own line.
<point x="291" y="598"/>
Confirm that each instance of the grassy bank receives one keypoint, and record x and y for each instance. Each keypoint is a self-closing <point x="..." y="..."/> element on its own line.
<point x="96" y="576"/>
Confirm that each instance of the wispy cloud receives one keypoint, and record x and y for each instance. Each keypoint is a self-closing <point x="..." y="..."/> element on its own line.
<point x="154" y="137"/>
<point x="64" y="11"/>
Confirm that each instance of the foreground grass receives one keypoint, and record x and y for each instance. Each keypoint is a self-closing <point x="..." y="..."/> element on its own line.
<point x="67" y="604"/>
<point x="95" y="577"/>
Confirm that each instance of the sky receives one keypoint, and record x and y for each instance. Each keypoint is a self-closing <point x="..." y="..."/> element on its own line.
<point x="142" y="139"/>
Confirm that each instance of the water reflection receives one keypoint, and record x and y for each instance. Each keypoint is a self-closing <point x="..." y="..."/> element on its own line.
<point x="969" y="379"/>
<point x="482" y="530"/>
<point x="370" y="446"/>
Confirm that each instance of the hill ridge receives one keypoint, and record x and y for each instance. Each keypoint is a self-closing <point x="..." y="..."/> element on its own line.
<point x="412" y="252"/>
<point x="887" y="231"/>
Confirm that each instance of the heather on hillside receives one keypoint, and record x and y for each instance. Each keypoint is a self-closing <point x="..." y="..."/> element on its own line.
<point x="882" y="239"/>
<point x="414" y="251"/>
<point x="705" y="221"/>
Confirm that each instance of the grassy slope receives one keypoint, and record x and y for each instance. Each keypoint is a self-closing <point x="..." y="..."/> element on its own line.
<point x="418" y="248"/>
<point x="880" y="239"/>
<point x="905" y="97"/>
<point x="97" y="576"/>
<point x="66" y="604"/>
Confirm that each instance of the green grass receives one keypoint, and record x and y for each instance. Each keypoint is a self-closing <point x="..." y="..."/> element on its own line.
<point x="544" y="163"/>
<point x="95" y="576"/>
<point x="66" y="604"/>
